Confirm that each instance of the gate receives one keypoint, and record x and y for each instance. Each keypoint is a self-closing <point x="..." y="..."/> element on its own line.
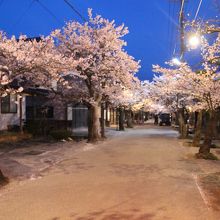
<point x="80" y="120"/>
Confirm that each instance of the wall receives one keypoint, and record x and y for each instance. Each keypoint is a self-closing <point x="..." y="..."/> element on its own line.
<point x="11" y="118"/>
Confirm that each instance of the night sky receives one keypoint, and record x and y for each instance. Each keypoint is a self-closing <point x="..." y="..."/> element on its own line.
<point x="153" y="24"/>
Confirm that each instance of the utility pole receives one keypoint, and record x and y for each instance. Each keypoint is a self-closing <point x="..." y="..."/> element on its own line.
<point x="181" y="26"/>
<point x="182" y="34"/>
<point x="180" y="114"/>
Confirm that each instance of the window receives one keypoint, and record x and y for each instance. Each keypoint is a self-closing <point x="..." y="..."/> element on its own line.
<point x="8" y="104"/>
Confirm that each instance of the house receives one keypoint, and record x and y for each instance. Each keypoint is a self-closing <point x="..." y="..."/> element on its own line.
<point x="39" y="113"/>
<point x="18" y="111"/>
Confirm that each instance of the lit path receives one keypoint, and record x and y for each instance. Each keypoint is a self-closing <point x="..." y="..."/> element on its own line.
<point x="139" y="174"/>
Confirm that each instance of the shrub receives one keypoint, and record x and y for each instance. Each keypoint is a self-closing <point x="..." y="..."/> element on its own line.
<point x="13" y="137"/>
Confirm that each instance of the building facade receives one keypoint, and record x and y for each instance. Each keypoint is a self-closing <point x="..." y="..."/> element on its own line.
<point x="12" y="111"/>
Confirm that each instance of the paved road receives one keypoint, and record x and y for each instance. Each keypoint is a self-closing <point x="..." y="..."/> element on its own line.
<point x="139" y="174"/>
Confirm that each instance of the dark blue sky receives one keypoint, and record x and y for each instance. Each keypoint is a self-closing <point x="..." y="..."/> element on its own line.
<point x="152" y="24"/>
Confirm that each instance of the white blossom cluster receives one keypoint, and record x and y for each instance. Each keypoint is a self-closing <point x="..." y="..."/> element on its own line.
<point x="88" y="61"/>
<point x="181" y="86"/>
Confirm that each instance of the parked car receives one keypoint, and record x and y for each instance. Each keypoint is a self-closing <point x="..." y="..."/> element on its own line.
<point x="164" y="119"/>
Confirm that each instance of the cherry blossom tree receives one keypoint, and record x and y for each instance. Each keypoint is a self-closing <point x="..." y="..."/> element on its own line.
<point x="208" y="90"/>
<point x="27" y="63"/>
<point x="151" y="98"/>
<point x="198" y="90"/>
<point x="103" y="64"/>
<point x="201" y="27"/>
<point x="127" y="101"/>
<point x="165" y="91"/>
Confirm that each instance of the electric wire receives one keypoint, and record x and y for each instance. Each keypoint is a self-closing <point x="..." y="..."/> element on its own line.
<point x="48" y="11"/>
<point x="75" y="10"/>
<point x="181" y="9"/>
<point x="197" y="11"/>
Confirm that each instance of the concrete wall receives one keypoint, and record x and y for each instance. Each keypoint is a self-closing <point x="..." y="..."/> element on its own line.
<point x="11" y="118"/>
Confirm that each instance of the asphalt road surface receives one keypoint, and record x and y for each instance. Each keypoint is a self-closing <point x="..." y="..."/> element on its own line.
<point x="140" y="174"/>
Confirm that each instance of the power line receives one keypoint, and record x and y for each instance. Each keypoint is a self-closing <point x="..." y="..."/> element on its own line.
<point x="48" y="11"/>
<point x="181" y="10"/>
<point x="75" y="10"/>
<point x="197" y="12"/>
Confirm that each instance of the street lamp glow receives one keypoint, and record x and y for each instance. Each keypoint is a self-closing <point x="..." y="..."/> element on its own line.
<point x="194" y="41"/>
<point x="176" y="61"/>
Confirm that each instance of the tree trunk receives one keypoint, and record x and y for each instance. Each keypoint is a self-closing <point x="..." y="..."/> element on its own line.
<point x="102" y="121"/>
<point x="182" y="125"/>
<point x="133" y="117"/>
<point x="198" y="128"/>
<point x="176" y="118"/>
<point x="140" y="117"/>
<point x="121" y="119"/>
<point x="129" y="119"/>
<point x="3" y="179"/>
<point x="156" y="119"/>
<point x="204" y="149"/>
<point x="94" y="123"/>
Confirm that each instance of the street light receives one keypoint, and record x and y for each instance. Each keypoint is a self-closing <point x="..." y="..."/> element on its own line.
<point x="176" y="61"/>
<point x="194" y="41"/>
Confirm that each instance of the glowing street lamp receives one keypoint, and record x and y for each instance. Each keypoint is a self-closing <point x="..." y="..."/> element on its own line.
<point x="194" y="41"/>
<point x="176" y="61"/>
